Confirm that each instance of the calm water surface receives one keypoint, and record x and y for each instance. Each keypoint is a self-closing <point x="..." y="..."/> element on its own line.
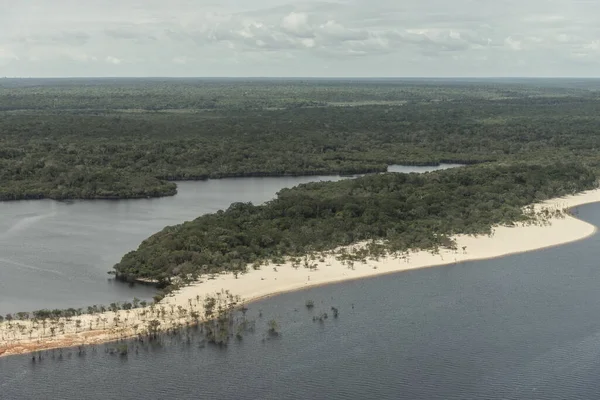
<point x="56" y="255"/>
<point x="520" y="327"/>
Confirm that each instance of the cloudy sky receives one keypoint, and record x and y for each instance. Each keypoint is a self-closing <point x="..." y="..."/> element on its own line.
<point x="307" y="38"/>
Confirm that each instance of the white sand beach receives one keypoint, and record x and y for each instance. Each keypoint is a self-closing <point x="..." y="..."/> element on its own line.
<point x="19" y="337"/>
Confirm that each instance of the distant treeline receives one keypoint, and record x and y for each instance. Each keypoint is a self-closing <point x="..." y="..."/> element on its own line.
<point x="110" y="148"/>
<point x="99" y="95"/>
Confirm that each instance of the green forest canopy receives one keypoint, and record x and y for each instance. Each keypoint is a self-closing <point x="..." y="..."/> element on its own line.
<point x="129" y="138"/>
<point x="407" y="211"/>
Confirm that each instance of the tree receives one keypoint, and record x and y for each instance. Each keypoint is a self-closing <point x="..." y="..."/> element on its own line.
<point x="152" y="327"/>
<point x="273" y="328"/>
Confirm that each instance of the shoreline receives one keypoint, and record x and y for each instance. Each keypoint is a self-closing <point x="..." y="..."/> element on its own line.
<point x="271" y="280"/>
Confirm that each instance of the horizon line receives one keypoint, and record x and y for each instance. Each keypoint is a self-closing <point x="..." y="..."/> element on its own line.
<point x="299" y="77"/>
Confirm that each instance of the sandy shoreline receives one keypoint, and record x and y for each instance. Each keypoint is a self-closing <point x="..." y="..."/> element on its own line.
<point x="20" y="337"/>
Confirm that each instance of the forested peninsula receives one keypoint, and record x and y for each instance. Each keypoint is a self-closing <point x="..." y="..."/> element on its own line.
<point x="402" y="211"/>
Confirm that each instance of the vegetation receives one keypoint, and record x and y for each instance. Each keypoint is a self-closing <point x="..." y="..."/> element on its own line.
<point x="69" y="313"/>
<point x="273" y="328"/>
<point x="155" y="327"/>
<point x="218" y="317"/>
<point x="406" y="211"/>
<point x="128" y="138"/>
<point x="151" y="95"/>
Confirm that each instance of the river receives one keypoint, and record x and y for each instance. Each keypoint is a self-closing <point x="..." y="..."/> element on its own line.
<point x="57" y="255"/>
<point x="524" y="326"/>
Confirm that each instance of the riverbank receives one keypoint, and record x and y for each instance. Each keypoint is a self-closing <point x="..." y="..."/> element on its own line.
<point x="183" y="307"/>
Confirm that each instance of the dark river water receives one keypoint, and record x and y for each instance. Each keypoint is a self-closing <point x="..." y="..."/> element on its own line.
<point x="520" y="327"/>
<point x="57" y="255"/>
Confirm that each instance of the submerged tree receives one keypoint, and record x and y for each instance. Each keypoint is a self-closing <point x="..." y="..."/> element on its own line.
<point x="273" y="329"/>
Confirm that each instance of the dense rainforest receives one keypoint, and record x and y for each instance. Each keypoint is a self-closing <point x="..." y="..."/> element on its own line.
<point x="523" y="140"/>
<point x="128" y="138"/>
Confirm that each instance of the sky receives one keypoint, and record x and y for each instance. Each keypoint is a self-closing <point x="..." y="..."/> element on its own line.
<point x="278" y="38"/>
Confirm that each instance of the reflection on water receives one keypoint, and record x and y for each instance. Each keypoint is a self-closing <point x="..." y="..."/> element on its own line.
<point x="520" y="327"/>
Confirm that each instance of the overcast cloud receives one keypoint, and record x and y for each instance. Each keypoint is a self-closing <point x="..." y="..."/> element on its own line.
<point x="313" y="38"/>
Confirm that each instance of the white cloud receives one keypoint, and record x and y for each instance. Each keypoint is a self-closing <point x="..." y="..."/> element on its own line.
<point x="350" y="37"/>
<point x="594" y="45"/>
<point x="7" y="56"/>
<point x="544" y="18"/>
<point x="113" y="60"/>
<point x="308" y="42"/>
<point x="297" y="25"/>
<point x="333" y="30"/>
<point x="513" y="44"/>
<point x="82" y="57"/>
